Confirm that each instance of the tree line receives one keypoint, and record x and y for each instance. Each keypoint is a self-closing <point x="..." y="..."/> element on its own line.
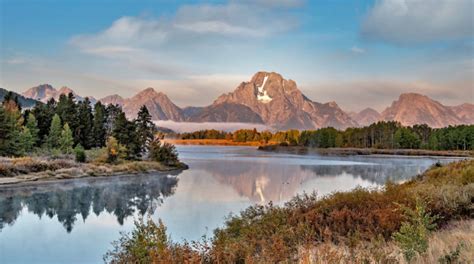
<point x="381" y="135"/>
<point x="60" y="127"/>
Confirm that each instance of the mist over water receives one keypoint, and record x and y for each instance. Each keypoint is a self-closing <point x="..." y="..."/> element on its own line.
<point x="75" y="221"/>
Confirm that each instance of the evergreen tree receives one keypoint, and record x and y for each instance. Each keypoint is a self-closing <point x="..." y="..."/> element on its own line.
<point x="7" y="133"/>
<point x="145" y="129"/>
<point x="113" y="111"/>
<point x="83" y="133"/>
<point x="12" y="97"/>
<point x="67" y="140"/>
<point x="44" y="114"/>
<point x="32" y="126"/>
<point x="125" y="133"/>
<point x="99" y="123"/>
<point x="10" y="120"/>
<point x="54" y="137"/>
<point x="67" y="110"/>
<point x="27" y="141"/>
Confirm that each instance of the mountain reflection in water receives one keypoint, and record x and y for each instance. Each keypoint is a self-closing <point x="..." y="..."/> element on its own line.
<point x="45" y="219"/>
<point x="121" y="197"/>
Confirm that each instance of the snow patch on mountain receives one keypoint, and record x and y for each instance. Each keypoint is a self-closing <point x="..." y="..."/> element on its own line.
<point x="262" y="94"/>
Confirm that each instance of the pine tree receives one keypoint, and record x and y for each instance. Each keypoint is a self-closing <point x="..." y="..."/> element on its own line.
<point x="83" y="134"/>
<point x="10" y="120"/>
<point x="99" y="129"/>
<point x="27" y="141"/>
<point x="145" y="129"/>
<point x="44" y="114"/>
<point x="67" y="110"/>
<point x="32" y="126"/>
<point x="54" y="137"/>
<point x="125" y="133"/>
<point x="67" y="141"/>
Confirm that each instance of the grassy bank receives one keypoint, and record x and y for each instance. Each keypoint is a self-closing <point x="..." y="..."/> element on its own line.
<point x="27" y="169"/>
<point x="365" y="151"/>
<point x="425" y="220"/>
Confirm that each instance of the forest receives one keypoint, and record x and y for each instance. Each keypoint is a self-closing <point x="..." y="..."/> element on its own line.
<point x="69" y="127"/>
<point x="380" y="135"/>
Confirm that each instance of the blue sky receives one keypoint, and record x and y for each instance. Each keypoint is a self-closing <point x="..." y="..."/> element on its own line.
<point x="357" y="53"/>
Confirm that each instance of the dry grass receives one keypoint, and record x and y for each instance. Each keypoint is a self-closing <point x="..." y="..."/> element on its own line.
<point x="458" y="235"/>
<point x="15" y="170"/>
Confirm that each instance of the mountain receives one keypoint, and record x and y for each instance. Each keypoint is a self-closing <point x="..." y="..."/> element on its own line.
<point x="158" y="104"/>
<point x="280" y="104"/>
<point x="192" y="110"/>
<point x="465" y="112"/>
<point x="413" y="108"/>
<point x="114" y="99"/>
<point x="227" y="112"/>
<point x="44" y="92"/>
<point x="366" y="117"/>
<point x="24" y="102"/>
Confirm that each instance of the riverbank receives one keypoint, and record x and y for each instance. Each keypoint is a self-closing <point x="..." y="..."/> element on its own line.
<point x="428" y="219"/>
<point x="364" y="151"/>
<point x="26" y="170"/>
<point x="213" y="142"/>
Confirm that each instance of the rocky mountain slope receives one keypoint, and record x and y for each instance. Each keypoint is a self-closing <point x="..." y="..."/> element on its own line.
<point x="281" y="104"/>
<point x="158" y="104"/>
<point x="412" y="108"/>
<point x="465" y="112"/>
<point x="44" y="92"/>
<point x="366" y="117"/>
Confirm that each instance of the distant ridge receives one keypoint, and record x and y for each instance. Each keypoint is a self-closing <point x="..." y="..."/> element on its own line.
<point x="44" y="92"/>
<point x="412" y="108"/>
<point x="269" y="99"/>
<point x="24" y="101"/>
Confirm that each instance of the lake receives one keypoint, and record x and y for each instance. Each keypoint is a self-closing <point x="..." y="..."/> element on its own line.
<point x="76" y="221"/>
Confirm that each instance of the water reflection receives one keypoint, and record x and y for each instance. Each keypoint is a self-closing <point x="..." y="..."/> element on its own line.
<point x="280" y="177"/>
<point x="68" y="201"/>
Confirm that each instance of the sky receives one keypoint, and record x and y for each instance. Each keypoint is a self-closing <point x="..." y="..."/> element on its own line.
<point x="358" y="53"/>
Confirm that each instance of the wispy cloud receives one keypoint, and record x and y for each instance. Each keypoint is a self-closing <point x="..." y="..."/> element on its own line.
<point x="415" y="21"/>
<point x="190" y="23"/>
<point x="357" y="50"/>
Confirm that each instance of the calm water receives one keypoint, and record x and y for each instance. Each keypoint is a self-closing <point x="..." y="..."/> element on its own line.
<point x="75" y="222"/>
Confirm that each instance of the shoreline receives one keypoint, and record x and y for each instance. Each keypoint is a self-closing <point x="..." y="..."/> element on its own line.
<point x="89" y="171"/>
<point x="364" y="151"/>
<point x="85" y="179"/>
<point x="212" y="142"/>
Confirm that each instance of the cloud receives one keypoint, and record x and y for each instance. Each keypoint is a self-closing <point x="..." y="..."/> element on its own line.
<point x="190" y="23"/>
<point x="357" y="50"/>
<point x="276" y="3"/>
<point x="417" y="21"/>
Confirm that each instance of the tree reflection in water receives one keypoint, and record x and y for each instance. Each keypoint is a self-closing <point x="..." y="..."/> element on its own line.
<point x="120" y="196"/>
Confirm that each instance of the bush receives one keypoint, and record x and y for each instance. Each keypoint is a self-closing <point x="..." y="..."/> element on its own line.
<point x="413" y="235"/>
<point x="115" y="151"/>
<point x="148" y="243"/>
<point x="80" y="153"/>
<point x="164" y="153"/>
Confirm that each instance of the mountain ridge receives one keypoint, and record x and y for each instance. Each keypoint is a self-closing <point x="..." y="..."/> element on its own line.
<point x="269" y="99"/>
